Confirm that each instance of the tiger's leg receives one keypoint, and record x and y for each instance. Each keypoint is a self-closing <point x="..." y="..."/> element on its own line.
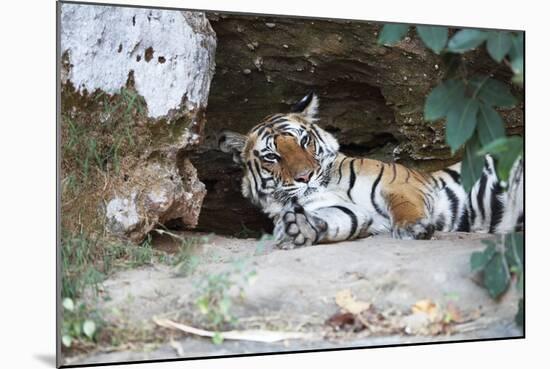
<point x="409" y="214"/>
<point x="297" y="227"/>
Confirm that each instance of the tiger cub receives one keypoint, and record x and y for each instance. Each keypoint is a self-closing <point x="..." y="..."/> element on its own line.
<point x="315" y="194"/>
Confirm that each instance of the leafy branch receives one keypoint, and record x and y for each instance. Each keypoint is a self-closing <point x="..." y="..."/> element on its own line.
<point x="469" y="103"/>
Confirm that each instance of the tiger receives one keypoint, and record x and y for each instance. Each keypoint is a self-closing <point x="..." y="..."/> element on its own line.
<point x="294" y="172"/>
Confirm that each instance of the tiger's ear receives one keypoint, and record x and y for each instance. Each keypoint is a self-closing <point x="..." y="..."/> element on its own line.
<point x="308" y="107"/>
<point x="232" y="143"/>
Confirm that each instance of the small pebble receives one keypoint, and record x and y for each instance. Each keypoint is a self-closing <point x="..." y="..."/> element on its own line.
<point x="247" y="71"/>
<point x="285" y="46"/>
<point x="270" y="25"/>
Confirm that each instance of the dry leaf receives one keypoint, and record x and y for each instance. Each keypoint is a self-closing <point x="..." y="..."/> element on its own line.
<point x="346" y="301"/>
<point x="257" y="335"/>
<point x="427" y="307"/>
<point x="345" y="322"/>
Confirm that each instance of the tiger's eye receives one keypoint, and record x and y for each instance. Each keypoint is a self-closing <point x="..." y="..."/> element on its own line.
<point x="271" y="156"/>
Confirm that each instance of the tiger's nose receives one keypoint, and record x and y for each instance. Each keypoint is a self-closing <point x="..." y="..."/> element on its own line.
<point x="304" y="176"/>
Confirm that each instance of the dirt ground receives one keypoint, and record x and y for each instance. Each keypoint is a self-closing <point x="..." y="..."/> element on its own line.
<point x="399" y="292"/>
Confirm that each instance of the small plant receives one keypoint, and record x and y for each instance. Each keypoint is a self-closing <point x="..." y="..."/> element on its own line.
<point x="79" y="323"/>
<point x="498" y="262"/>
<point x="216" y="299"/>
<point x="86" y="262"/>
<point x="78" y="253"/>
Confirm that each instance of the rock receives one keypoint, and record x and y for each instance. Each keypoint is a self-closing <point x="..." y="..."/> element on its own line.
<point x="135" y="85"/>
<point x="371" y="96"/>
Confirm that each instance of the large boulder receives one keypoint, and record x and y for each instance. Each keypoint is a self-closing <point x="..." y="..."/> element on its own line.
<point x="134" y="89"/>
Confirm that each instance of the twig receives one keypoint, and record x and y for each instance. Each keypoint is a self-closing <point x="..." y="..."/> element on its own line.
<point x="249" y="335"/>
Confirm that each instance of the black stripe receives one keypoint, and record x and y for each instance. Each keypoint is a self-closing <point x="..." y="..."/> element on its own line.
<point x="257" y="166"/>
<point x="279" y="120"/>
<point x="454" y="204"/>
<point x="496" y="207"/>
<point x="281" y="127"/>
<point x="481" y="195"/>
<point x="373" y="193"/>
<point x="351" y="178"/>
<point x="408" y="175"/>
<point x="340" y="170"/>
<point x="464" y="224"/>
<point x="253" y="176"/>
<point x="454" y="175"/>
<point x="261" y="130"/>
<point x="472" y="210"/>
<point x="394" y="173"/>
<point x="353" y="219"/>
<point x="317" y="133"/>
<point x="273" y="117"/>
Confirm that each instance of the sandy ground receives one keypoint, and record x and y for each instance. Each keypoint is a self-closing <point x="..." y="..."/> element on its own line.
<point x="295" y="291"/>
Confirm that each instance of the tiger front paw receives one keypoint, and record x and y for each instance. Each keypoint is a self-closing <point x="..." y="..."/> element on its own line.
<point x="295" y="228"/>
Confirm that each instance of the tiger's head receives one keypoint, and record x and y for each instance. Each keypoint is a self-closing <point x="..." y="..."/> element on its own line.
<point x="286" y="156"/>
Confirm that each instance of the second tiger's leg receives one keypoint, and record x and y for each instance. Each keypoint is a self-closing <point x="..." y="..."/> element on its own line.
<point x="409" y="213"/>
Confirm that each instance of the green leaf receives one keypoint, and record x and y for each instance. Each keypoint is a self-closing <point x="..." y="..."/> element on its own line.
<point x="498" y="44"/>
<point x="68" y="304"/>
<point x="392" y="33"/>
<point x="461" y="122"/>
<point x="441" y="98"/>
<point x="472" y="164"/>
<point x="217" y="338"/>
<point x="506" y="150"/>
<point x="466" y="39"/>
<point x="67" y="340"/>
<point x="516" y="53"/>
<point x="202" y="304"/>
<point x="433" y="37"/>
<point x="494" y="93"/>
<point x="513" y="243"/>
<point x="496" y="276"/>
<point x="479" y="259"/>
<point x="489" y="125"/>
<point x="89" y="328"/>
